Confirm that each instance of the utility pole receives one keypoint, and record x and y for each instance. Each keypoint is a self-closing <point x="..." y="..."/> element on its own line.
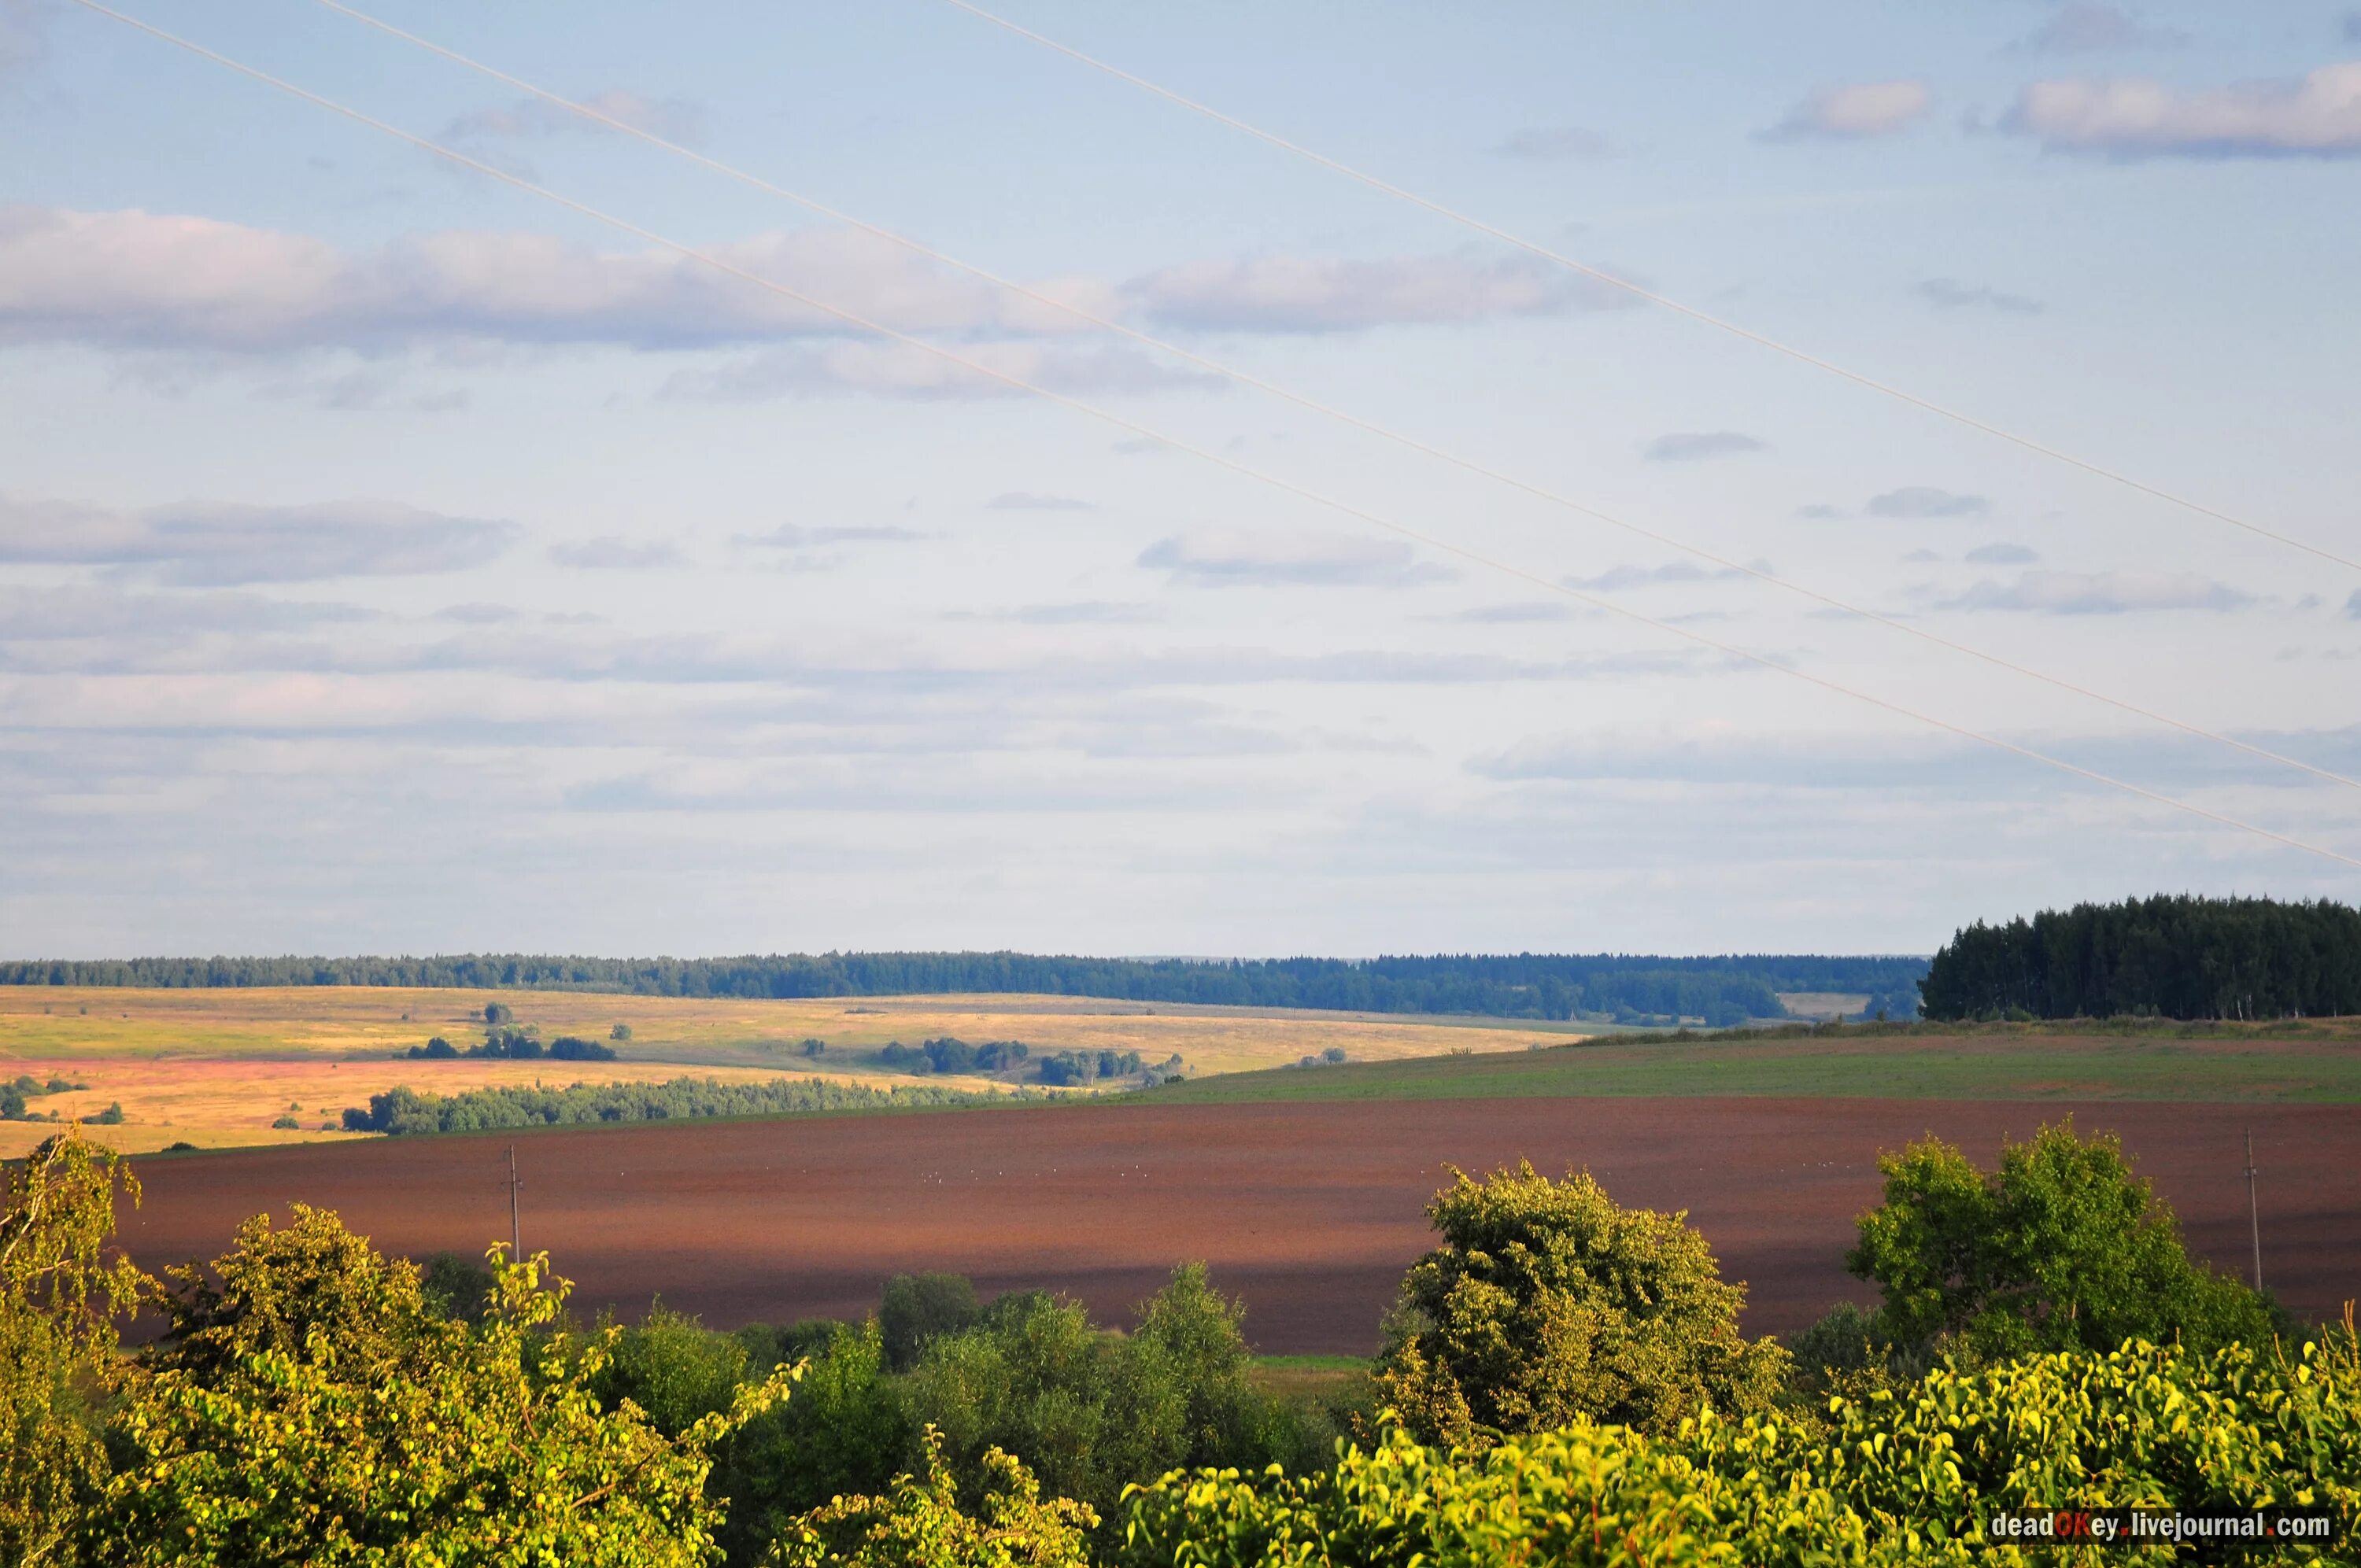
<point x="516" y="1233"/>
<point x="2254" y="1219"/>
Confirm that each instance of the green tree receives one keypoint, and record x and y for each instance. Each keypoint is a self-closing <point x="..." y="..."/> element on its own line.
<point x="304" y="1419"/>
<point x="60" y="1293"/>
<point x="2063" y="1247"/>
<point x="918" y="1307"/>
<point x="1547" y="1303"/>
<point x="848" y="1430"/>
<point x="675" y="1368"/>
<point x="920" y="1524"/>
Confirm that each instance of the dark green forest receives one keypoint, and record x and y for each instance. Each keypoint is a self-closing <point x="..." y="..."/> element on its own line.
<point x="2170" y="956"/>
<point x="1626" y="988"/>
<point x="402" y="1110"/>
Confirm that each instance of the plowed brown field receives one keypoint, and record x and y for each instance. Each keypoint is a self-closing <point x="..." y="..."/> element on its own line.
<point x="1310" y="1211"/>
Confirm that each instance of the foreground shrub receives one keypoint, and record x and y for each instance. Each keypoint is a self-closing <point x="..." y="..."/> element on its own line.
<point x="58" y="1296"/>
<point x="319" y="1408"/>
<point x="920" y="1524"/>
<point x="1889" y="1480"/>
<point x="1547" y="1302"/>
<point x="2060" y="1248"/>
<point x="848" y="1430"/>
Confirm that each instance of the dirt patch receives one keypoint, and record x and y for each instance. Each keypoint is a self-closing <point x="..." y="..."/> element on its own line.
<point x="1310" y="1210"/>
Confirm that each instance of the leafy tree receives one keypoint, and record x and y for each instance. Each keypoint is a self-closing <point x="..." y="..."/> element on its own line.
<point x="673" y="1368"/>
<point x="920" y="1524"/>
<point x="848" y="1430"/>
<point x="456" y="1286"/>
<point x="1547" y="1302"/>
<point x="331" y="1420"/>
<point x="110" y="1117"/>
<point x="918" y="1307"/>
<point x="498" y="1013"/>
<point x="620" y="1032"/>
<point x="60" y="1293"/>
<point x="2063" y="1247"/>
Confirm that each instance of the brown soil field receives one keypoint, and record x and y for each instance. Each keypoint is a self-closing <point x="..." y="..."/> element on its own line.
<point x="1309" y="1211"/>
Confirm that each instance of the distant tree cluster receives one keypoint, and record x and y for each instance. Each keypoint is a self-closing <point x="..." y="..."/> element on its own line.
<point x="507" y="1042"/>
<point x="14" y="1095"/>
<point x="1722" y="991"/>
<point x="950" y="1054"/>
<point x="2166" y="957"/>
<point x="1090" y="1067"/>
<point x="405" y="1110"/>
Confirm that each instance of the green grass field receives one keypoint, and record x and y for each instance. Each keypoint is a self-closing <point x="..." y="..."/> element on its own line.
<point x="2004" y="1062"/>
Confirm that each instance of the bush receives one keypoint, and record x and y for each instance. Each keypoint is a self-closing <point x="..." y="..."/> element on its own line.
<point x="456" y="1286"/>
<point x="110" y="1117"/>
<point x="1887" y="1481"/>
<point x="1547" y="1302"/>
<point x="673" y="1368"/>
<point x="436" y="1049"/>
<point x="1089" y="1067"/>
<point x="498" y="1013"/>
<point x="286" y="1123"/>
<point x="620" y="1032"/>
<point x="846" y="1431"/>
<point x="571" y="1047"/>
<point x="812" y="1047"/>
<point x="919" y="1308"/>
<point x="2060" y="1248"/>
<point x="922" y="1524"/>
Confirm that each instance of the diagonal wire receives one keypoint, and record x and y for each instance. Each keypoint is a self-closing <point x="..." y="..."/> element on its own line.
<point x="1206" y="455"/>
<point x="1244" y="377"/>
<point x="1639" y="290"/>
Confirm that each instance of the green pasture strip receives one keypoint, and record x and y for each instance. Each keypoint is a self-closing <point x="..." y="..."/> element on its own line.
<point x="1942" y="1067"/>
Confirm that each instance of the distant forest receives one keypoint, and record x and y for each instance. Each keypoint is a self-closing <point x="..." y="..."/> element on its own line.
<point x="1722" y="991"/>
<point x="2166" y="957"/>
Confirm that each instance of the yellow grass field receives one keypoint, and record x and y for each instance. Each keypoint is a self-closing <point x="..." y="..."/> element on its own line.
<point x="217" y="1068"/>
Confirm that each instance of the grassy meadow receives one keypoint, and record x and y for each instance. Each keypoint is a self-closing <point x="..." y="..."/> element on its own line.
<point x="216" y="1068"/>
<point x="1995" y="1062"/>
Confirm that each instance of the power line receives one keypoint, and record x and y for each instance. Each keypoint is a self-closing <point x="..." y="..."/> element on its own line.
<point x="1244" y="377"/>
<point x="1134" y="427"/>
<point x="1639" y="290"/>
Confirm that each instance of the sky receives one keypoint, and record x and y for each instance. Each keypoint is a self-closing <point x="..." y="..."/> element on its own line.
<point x="394" y="559"/>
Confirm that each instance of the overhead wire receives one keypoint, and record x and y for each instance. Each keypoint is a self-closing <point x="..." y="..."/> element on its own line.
<point x="597" y="115"/>
<point x="1640" y="290"/>
<point x="1206" y="455"/>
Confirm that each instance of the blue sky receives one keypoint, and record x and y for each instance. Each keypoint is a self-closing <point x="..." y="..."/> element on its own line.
<point x="392" y="561"/>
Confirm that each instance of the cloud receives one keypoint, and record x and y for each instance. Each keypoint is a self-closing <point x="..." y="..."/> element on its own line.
<point x="674" y="120"/>
<point x="1949" y="294"/>
<point x="1026" y="500"/>
<point x="904" y="371"/>
<point x="2319" y="116"/>
<point x="478" y="613"/>
<point x="788" y="536"/>
<point x="1222" y="558"/>
<point x="2352" y="606"/>
<point x="204" y="545"/>
<point x="1519" y="613"/>
<point x="1926" y="500"/>
<point x="2000" y="554"/>
<point x="612" y="552"/>
<point x="1088" y="613"/>
<point x="1617" y="577"/>
<point x="1853" y="113"/>
<point x="1555" y="143"/>
<point x="2083" y="28"/>
<point x="1691" y="446"/>
<point x="2352" y="27"/>
<point x="2101" y="593"/>
<point x="1307" y="294"/>
<point x="1820" y="512"/>
<point x="78" y="612"/>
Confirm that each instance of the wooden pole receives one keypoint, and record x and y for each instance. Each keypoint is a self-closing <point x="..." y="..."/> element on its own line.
<point x="2254" y="1219"/>
<point x="516" y="1233"/>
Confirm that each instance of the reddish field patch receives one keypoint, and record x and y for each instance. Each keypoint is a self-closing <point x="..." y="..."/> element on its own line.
<point x="1310" y="1210"/>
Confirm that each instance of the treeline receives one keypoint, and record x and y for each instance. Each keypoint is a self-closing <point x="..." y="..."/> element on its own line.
<point x="405" y="1110"/>
<point x="2169" y="957"/>
<point x="1722" y="991"/>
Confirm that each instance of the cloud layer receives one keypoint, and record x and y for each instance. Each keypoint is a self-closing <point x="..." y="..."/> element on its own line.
<point x="195" y="544"/>
<point x="1854" y="112"/>
<point x="1225" y="558"/>
<point x="2318" y="116"/>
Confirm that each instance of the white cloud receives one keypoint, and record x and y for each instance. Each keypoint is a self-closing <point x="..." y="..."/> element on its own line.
<point x="674" y="120"/>
<point x="788" y="536"/>
<point x="2352" y="606"/>
<point x="610" y="553"/>
<point x="2101" y="593"/>
<point x="1927" y="500"/>
<point x="2000" y="554"/>
<point x="1225" y="558"/>
<point x="2319" y="116"/>
<point x="1694" y="445"/>
<point x="2085" y="27"/>
<point x="1616" y="578"/>
<point x="1950" y="294"/>
<point x="1854" y="112"/>
<point x="1311" y="294"/>
<point x="198" y="545"/>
